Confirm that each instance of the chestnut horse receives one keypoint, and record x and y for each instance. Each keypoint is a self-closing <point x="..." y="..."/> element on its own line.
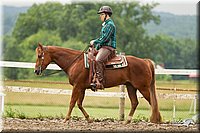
<point x="138" y="75"/>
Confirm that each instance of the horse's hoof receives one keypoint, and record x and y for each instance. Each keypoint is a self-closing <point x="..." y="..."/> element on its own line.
<point x="66" y="119"/>
<point x="156" y="120"/>
<point x="127" y="122"/>
<point x="89" y="120"/>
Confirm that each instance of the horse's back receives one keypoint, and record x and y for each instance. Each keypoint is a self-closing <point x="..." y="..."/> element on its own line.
<point x="139" y="62"/>
<point x="140" y="69"/>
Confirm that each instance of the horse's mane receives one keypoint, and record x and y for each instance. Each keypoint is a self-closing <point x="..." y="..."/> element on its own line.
<point x="68" y="50"/>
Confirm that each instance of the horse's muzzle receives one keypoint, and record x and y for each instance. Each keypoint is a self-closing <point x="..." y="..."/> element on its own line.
<point x="38" y="72"/>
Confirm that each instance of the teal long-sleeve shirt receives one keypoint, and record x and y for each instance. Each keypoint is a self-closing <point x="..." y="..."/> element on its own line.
<point x="107" y="35"/>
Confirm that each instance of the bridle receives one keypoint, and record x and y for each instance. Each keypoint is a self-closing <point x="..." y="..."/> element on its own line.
<point x="41" y="60"/>
<point x="72" y="62"/>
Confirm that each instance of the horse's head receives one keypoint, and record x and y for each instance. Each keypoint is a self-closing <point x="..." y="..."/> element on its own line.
<point x="43" y="59"/>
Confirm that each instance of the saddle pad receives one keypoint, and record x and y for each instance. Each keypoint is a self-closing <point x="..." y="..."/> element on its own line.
<point x="117" y="62"/>
<point x="86" y="62"/>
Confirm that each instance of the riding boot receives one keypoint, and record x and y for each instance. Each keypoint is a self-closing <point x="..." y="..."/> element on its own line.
<point x="99" y="75"/>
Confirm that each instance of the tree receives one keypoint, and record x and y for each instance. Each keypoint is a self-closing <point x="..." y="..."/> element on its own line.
<point x="11" y="52"/>
<point x="178" y="53"/>
<point x="188" y="54"/>
<point x="90" y="27"/>
<point x="44" y="16"/>
<point x="79" y="21"/>
<point x="132" y="37"/>
<point x="29" y="45"/>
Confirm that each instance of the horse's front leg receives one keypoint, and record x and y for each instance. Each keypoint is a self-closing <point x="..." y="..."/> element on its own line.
<point x="74" y="98"/>
<point x="79" y="103"/>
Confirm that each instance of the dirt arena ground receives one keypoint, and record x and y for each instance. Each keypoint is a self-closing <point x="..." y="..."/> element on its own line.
<point x="81" y="125"/>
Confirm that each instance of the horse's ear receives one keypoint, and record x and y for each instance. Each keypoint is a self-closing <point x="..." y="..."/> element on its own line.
<point x="40" y="45"/>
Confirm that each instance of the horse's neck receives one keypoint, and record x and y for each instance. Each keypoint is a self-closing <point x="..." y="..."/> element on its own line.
<point x="63" y="57"/>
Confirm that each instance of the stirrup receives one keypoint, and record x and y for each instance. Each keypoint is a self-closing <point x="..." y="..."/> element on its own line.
<point x="93" y="85"/>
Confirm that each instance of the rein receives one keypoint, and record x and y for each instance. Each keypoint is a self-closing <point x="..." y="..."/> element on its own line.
<point x="70" y="62"/>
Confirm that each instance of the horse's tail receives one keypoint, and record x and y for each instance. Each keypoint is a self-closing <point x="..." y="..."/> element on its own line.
<point x="156" y="118"/>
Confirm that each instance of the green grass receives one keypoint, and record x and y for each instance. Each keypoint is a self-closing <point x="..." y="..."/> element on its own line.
<point x="37" y="105"/>
<point x="188" y="84"/>
<point x="38" y="84"/>
<point x="29" y="111"/>
<point x="12" y="98"/>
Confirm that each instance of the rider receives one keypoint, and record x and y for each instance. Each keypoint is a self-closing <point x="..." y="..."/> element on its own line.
<point x="105" y="44"/>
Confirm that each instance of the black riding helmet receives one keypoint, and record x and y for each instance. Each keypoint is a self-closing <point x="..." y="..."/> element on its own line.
<point x="105" y="9"/>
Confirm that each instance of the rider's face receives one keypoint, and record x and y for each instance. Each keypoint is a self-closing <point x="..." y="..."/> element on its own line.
<point x="102" y="15"/>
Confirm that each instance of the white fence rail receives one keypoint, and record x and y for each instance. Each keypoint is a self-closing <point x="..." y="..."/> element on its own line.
<point x="90" y="93"/>
<point x="62" y="91"/>
<point x="56" y="67"/>
<point x="25" y="65"/>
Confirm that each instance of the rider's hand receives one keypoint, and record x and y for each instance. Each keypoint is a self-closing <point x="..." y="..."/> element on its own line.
<point x="91" y="43"/>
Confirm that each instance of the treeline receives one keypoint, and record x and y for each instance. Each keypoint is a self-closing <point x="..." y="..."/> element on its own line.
<point x="176" y="26"/>
<point x="74" y="25"/>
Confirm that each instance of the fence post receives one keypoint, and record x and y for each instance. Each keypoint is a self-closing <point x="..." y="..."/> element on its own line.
<point x="195" y="104"/>
<point x="174" y="105"/>
<point x="192" y="104"/>
<point x="122" y="103"/>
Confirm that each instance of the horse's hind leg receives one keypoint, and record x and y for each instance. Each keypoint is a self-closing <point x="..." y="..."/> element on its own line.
<point x="146" y="94"/>
<point x="134" y="101"/>
<point x="79" y="103"/>
<point x="155" y="117"/>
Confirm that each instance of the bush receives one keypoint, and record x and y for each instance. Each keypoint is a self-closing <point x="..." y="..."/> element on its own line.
<point x="9" y="112"/>
<point x="164" y="77"/>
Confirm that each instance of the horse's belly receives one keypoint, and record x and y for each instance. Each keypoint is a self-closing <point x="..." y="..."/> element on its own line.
<point x="115" y="77"/>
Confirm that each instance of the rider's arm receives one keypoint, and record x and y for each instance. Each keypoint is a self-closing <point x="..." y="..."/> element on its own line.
<point x="105" y="36"/>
